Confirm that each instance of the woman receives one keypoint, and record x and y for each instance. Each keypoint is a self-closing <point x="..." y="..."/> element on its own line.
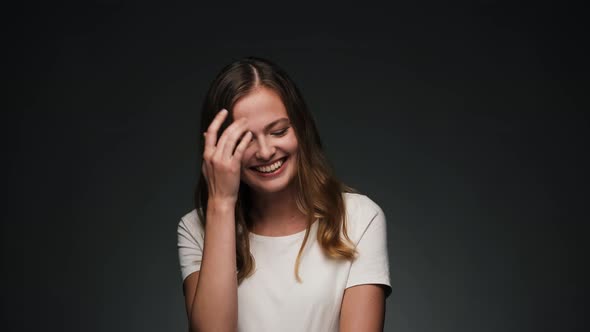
<point x="287" y="247"/>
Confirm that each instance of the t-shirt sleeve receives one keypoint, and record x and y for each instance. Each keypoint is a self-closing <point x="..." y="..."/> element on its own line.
<point x="190" y="244"/>
<point x="372" y="263"/>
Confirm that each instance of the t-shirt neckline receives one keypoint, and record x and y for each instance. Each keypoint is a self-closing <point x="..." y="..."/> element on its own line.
<point x="281" y="237"/>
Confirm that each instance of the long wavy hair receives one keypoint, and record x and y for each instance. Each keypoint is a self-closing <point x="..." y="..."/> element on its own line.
<point x="318" y="192"/>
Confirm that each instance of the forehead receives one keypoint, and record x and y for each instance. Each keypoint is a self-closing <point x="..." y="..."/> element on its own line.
<point x="260" y="107"/>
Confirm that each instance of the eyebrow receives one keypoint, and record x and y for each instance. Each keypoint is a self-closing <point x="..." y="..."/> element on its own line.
<point x="270" y="125"/>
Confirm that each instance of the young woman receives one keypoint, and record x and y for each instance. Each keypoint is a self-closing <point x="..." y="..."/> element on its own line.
<point x="276" y="242"/>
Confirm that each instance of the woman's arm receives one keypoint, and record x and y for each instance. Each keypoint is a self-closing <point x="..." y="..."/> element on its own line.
<point x="363" y="308"/>
<point x="368" y="285"/>
<point x="214" y="305"/>
<point x="211" y="293"/>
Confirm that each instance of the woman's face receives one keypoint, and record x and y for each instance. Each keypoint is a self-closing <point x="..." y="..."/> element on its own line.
<point x="269" y="162"/>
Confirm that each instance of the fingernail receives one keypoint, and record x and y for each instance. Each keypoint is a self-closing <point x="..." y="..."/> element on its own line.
<point x="223" y="110"/>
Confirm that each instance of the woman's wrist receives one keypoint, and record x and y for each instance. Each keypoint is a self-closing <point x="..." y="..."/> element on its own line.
<point x="221" y="205"/>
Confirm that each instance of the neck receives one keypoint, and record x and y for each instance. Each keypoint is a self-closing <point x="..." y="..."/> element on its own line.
<point x="276" y="213"/>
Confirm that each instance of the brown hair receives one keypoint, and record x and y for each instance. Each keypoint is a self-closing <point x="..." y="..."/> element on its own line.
<point x="322" y="198"/>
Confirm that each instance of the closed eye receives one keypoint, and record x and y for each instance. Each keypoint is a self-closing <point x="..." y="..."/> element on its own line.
<point x="280" y="132"/>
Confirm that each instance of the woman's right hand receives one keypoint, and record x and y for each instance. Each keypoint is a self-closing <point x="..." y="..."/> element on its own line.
<point x="221" y="164"/>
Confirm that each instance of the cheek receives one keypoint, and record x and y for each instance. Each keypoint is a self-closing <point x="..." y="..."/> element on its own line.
<point x="293" y="146"/>
<point x="247" y="155"/>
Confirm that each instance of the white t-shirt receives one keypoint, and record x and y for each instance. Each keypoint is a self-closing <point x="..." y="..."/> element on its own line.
<point x="271" y="299"/>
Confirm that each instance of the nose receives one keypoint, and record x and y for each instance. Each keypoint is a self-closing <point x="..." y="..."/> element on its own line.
<point x="265" y="151"/>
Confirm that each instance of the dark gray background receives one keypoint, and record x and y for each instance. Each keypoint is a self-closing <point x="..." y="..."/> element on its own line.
<point x="464" y="123"/>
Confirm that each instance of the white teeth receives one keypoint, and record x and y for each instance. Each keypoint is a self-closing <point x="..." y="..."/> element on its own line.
<point x="271" y="168"/>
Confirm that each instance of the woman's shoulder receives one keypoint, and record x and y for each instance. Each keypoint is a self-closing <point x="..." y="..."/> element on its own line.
<point x="191" y="222"/>
<point x="360" y="204"/>
<point x="361" y="213"/>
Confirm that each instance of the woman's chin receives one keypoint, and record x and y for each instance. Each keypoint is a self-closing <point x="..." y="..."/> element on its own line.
<point x="269" y="187"/>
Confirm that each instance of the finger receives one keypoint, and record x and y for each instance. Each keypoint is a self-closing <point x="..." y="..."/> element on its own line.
<point x="236" y="128"/>
<point x="207" y="152"/>
<point x="232" y="139"/>
<point x="211" y="138"/>
<point x="242" y="146"/>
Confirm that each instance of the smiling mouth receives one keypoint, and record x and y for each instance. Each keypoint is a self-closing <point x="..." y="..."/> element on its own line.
<point x="269" y="169"/>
